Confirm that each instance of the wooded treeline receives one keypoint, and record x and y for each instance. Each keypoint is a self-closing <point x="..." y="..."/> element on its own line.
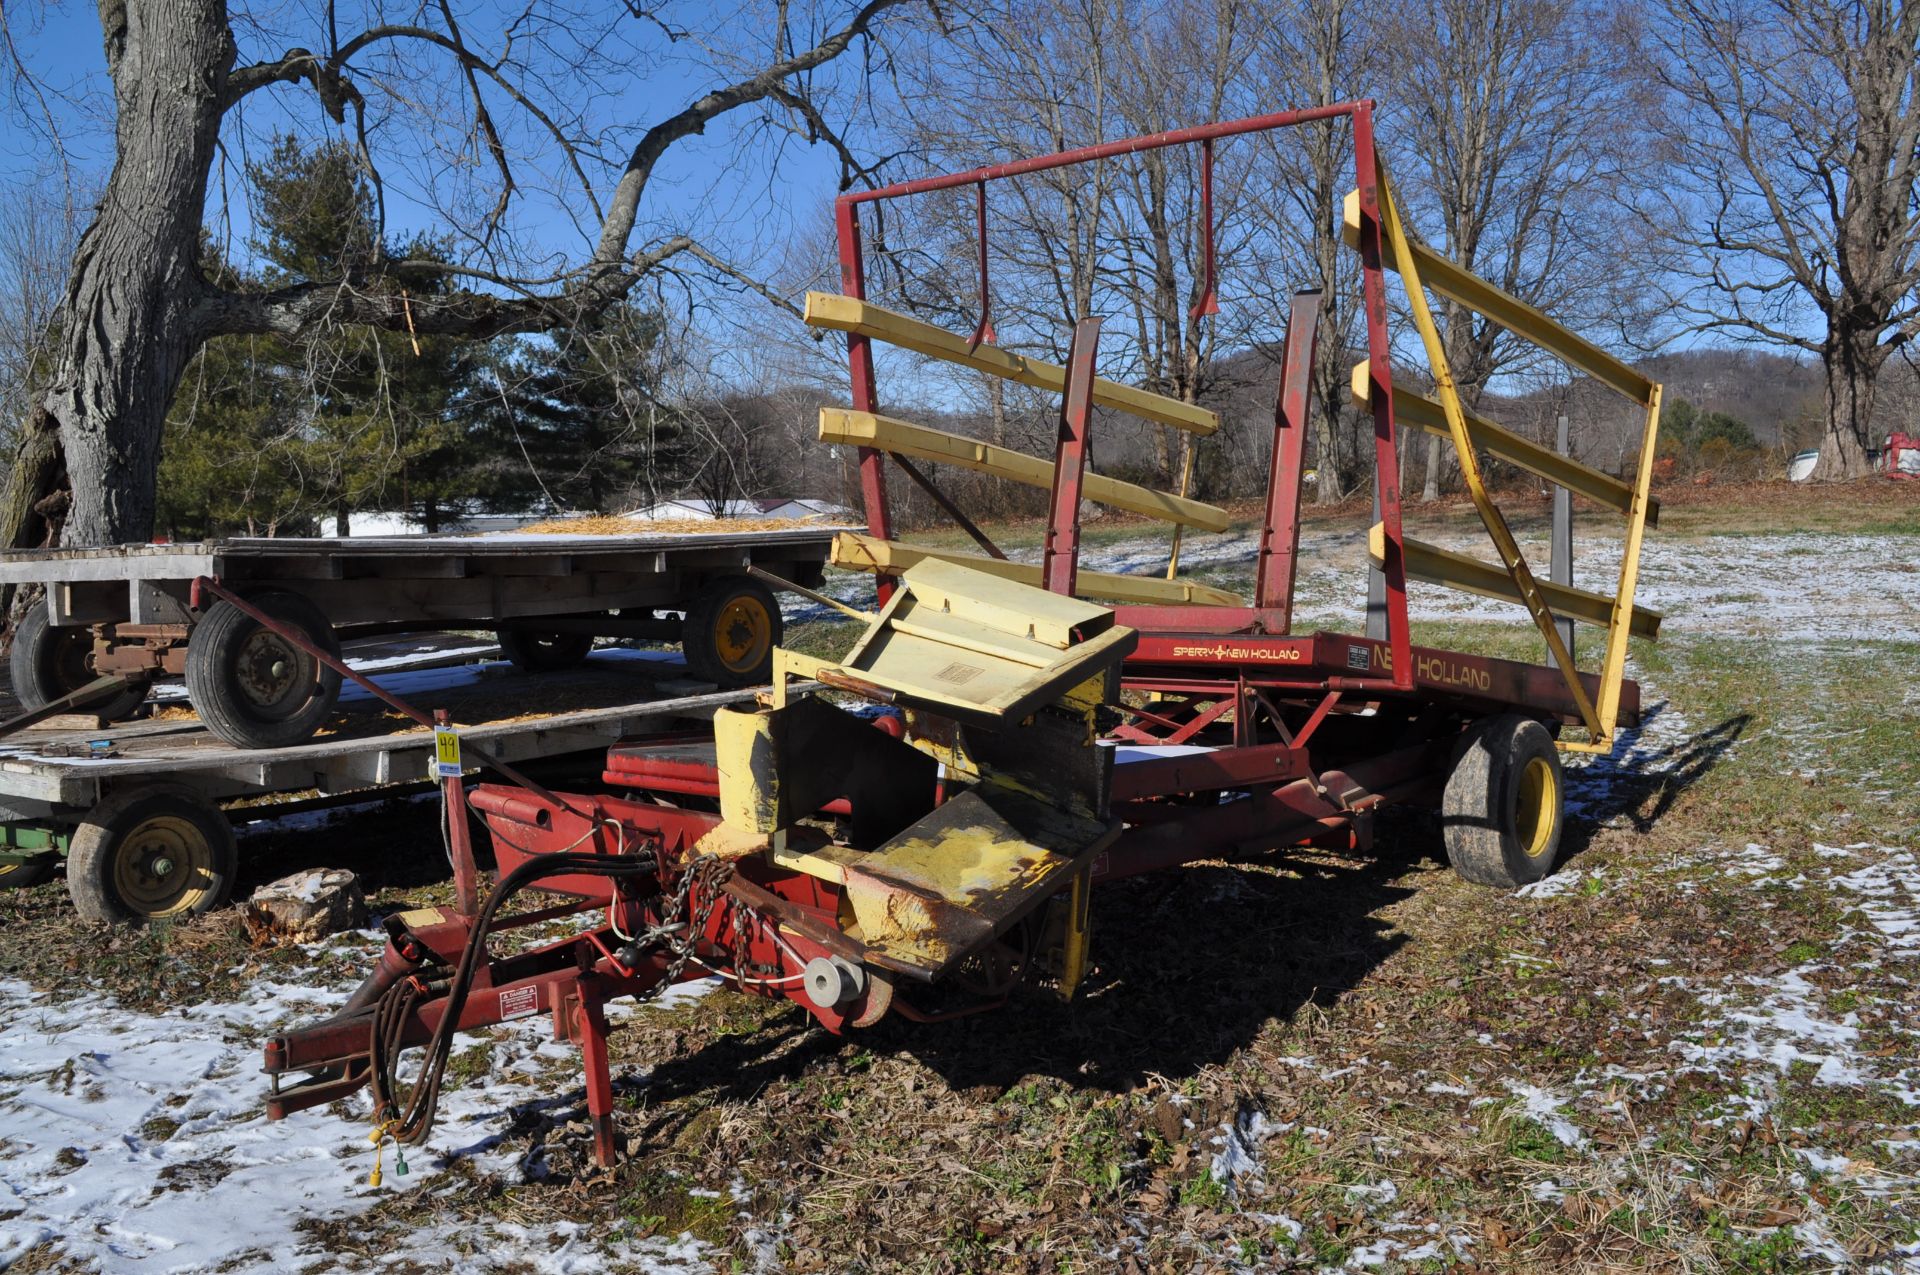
<point x="1665" y="170"/>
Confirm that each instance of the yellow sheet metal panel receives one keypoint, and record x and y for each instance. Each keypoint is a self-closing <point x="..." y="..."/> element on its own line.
<point x="1470" y="575"/>
<point x="1011" y="607"/>
<point x="1457" y="284"/>
<point x="846" y="314"/>
<point x="949" y="883"/>
<point x="855" y="552"/>
<point x="922" y="664"/>
<point x="919" y="652"/>
<point x="749" y="794"/>
<point x="866" y="429"/>
<point x="1410" y="408"/>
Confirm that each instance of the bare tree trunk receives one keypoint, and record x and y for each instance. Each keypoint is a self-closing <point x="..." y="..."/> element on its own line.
<point x="1795" y="133"/>
<point x="1435" y="458"/>
<point x="130" y="314"/>
<point x="137" y="307"/>
<point x="37" y="476"/>
<point x="1852" y="373"/>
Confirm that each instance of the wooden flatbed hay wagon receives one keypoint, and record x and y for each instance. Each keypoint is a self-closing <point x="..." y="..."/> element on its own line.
<point x="130" y="613"/>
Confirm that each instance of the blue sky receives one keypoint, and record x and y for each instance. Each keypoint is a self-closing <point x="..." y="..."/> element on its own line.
<point x="726" y="185"/>
<point x="744" y="203"/>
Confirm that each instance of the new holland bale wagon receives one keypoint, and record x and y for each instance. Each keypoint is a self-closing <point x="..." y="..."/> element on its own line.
<point x="923" y="830"/>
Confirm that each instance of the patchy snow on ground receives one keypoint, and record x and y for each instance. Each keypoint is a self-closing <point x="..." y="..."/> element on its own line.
<point x="1762" y="1030"/>
<point x="122" y="1133"/>
<point x="1239" y="1145"/>
<point x="1790" y="587"/>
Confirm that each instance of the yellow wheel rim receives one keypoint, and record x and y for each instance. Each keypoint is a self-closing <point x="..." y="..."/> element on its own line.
<point x="8" y="869"/>
<point x="742" y="634"/>
<point x="1537" y="806"/>
<point x="163" y="867"/>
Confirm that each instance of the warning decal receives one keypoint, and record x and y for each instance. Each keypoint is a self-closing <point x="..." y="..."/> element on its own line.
<point x="518" y="1002"/>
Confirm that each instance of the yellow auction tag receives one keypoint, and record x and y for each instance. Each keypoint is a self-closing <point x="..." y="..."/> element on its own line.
<point x="446" y="753"/>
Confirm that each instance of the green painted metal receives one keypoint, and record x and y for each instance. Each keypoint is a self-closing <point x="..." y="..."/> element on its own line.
<point x="20" y="842"/>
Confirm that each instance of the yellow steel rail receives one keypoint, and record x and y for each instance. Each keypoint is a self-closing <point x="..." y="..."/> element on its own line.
<point x="1509" y="311"/>
<point x="1470" y="575"/>
<point x="868" y="429"/>
<point x="1415" y="409"/>
<point x="855" y="552"/>
<point x="1419" y="269"/>
<point x="862" y="318"/>
<point x="1614" y="667"/>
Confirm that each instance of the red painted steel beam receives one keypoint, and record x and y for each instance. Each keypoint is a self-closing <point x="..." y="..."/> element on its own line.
<point x="1287" y="815"/>
<point x="1279" y="558"/>
<point x="1214" y="665"/>
<point x="1060" y="558"/>
<point x="1386" y="449"/>
<point x="1106" y="150"/>
<point x="1199" y="619"/>
<point x="1208" y="772"/>
<point x="873" y="474"/>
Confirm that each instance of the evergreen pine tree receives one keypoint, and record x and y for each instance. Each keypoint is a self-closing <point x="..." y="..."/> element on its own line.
<point x="576" y="422"/>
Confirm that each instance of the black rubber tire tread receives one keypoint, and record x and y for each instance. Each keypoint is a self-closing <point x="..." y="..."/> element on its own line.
<point x="34" y="669"/>
<point x="535" y="652"/>
<point x="91" y="852"/>
<point x="1477" y="810"/>
<point x="24" y="876"/>
<point x="213" y="653"/>
<point x="696" y="635"/>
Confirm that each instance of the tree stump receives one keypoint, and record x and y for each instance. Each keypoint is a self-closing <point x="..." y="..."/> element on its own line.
<point x="305" y="906"/>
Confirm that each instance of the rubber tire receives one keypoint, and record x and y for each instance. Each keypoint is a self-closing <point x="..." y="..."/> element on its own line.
<point x="36" y="668"/>
<point x="213" y="655"/>
<point x="535" y="652"/>
<point x="24" y="876"/>
<point x="697" y="634"/>
<point x="1478" y="813"/>
<point x="90" y="855"/>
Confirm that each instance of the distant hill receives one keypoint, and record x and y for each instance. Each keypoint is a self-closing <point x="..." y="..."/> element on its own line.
<point x="1767" y="391"/>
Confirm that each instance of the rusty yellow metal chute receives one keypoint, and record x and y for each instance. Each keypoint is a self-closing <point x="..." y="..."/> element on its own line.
<point x="1001" y="685"/>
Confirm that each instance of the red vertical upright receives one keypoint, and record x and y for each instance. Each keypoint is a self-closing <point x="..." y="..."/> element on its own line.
<point x="466" y="877"/>
<point x="873" y="474"/>
<point x="1061" y="561"/>
<point x="1386" y="451"/>
<point x="1280" y="535"/>
<point x="588" y="1029"/>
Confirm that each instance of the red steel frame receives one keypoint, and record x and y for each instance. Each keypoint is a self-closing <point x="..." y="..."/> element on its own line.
<point x="1280" y="531"/>
<point x="1206" y="664"/>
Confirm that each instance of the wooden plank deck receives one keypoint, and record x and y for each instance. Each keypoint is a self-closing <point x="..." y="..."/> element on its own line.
<point x="513" y="715"/>
<point x="183" y="561"/>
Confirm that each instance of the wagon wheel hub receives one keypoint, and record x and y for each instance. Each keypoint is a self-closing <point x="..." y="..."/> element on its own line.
<point x="163" y="866"/>
<point x="268" y="670"/>
<point x="744" y="630"/>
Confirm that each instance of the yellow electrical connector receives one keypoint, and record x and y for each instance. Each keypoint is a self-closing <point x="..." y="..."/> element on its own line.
<point x="379" y="1140"/>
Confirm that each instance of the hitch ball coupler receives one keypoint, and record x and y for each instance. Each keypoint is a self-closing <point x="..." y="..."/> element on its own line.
<point x="833" y="980"/>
